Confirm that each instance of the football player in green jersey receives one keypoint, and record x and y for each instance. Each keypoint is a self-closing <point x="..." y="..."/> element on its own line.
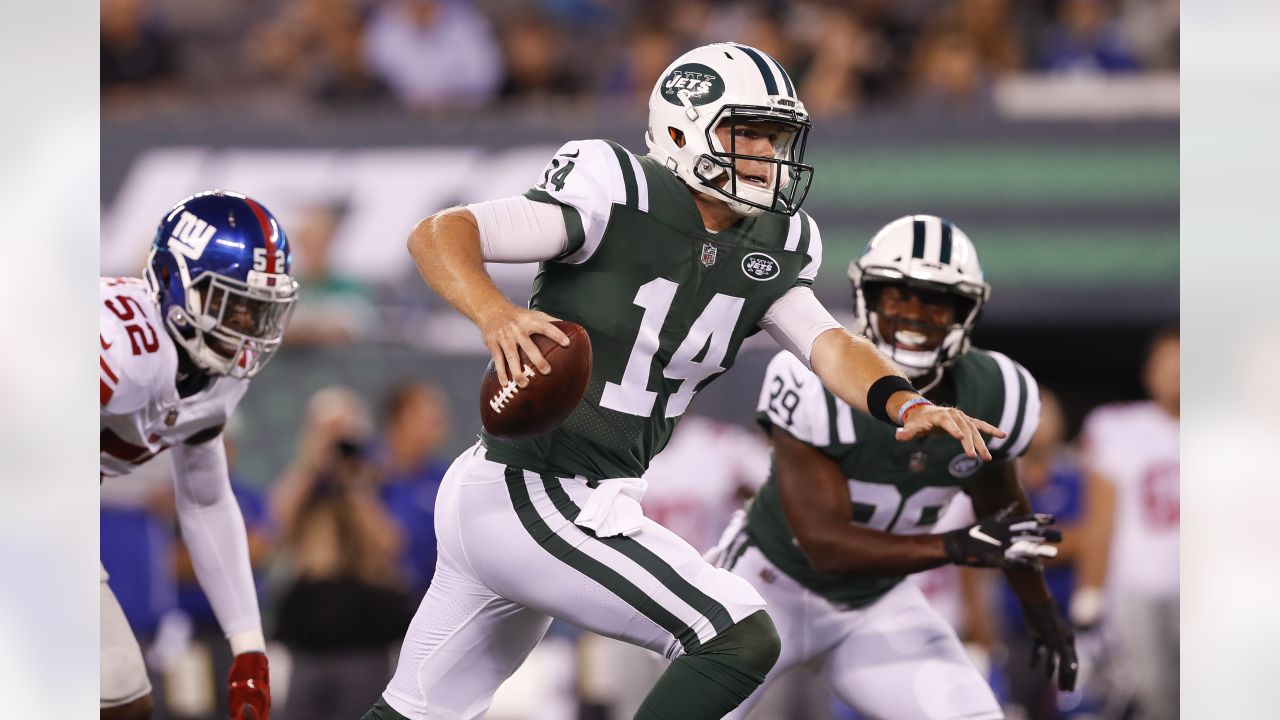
<point x="848" y="512"/>
<point x="670" y="261"/>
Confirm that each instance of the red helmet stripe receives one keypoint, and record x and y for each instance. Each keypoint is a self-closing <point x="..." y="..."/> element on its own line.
<point x="268" y="233"/>
<point x="104" y="392"/>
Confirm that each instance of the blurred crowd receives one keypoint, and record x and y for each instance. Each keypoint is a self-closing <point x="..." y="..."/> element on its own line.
<point x="343" y="542"/>
<point x="592" y="55"/>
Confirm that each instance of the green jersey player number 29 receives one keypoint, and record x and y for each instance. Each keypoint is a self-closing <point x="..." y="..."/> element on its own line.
<point x="848" y="512"/>
<point x="669" y="260"/>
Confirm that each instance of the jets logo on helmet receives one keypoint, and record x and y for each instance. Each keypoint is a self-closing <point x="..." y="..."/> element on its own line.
<point x="731" y="86"/>
<point x="219" y="267"/>
<point x="922" y="253"/>
<point x="698" y="83"/>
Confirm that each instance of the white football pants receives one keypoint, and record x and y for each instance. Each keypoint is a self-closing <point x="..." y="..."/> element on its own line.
<point x="896" y="659"/>
<point x="122" y="674"/>
<point x="510" y="559"/>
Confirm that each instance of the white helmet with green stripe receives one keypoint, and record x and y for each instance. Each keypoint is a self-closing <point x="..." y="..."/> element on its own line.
<point x="728" y="83"/>
<point x="924" y="253"/>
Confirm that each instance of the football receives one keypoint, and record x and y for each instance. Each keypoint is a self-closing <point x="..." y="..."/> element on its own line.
<point x="515" y="412"/>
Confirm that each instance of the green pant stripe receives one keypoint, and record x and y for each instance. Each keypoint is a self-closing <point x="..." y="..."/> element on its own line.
<point x="706" y="605"/>
<point x="628" y="174"/>
<point x="610" y="579"/>
<point x="572" y="220"/>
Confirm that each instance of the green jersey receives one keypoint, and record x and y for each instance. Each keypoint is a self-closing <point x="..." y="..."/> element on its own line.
<point x="666" y="303"/>
<point x="899" y="487"/>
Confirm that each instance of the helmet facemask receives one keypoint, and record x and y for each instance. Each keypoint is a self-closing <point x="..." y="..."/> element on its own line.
<point x="786" y="178"/>
<point x="229" y="327"/>
<point x="923" y="344"/>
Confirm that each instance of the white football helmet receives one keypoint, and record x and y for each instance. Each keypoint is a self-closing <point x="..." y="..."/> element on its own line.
<point x="923" y="252"/>
<point x="729" y="83"/>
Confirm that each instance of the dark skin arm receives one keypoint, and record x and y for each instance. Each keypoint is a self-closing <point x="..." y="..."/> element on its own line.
<point x="995" y="488"/>
<point x="816" y="499"/>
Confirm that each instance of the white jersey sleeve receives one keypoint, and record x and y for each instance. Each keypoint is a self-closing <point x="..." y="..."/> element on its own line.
<point x="810" y="271"/>
<point x="584" y="179"/>
<point x="1020" y="413"/>
<point x="793" y="399"/>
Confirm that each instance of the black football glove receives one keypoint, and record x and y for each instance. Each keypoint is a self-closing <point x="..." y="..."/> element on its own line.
<point x="1053" y="641"/>
<point x="1003" y="540"/>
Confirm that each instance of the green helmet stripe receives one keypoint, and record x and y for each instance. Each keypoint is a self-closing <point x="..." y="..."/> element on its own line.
<point x="770" y="85"/>
<point x="786" y="79"/>
<point x="917" y="238"/>
<point x="944" y="255"/>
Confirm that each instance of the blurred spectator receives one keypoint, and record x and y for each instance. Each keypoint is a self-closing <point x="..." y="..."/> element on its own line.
<point x="332" y="309"/>
<point x="347" y="603"/>
<point x="137" y="51"/>
<point x="1151" y="28"/>
<point x="535" y="68"/>
<point x="1129" y="564"/>
<point x="842" y="51"/>
<point x="649" y="49"/>
<point x="990" y="24"/>
<point x="949" y="72"/>
<point x="1087" y="40"/>
<point x="1054" y="482"/>
<point x="417" y="425"/>
<point x="317" y="48"/>
<point x="434" y="54"/>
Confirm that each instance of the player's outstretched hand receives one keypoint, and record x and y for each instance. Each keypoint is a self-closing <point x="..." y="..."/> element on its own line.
<point x="937" y="420"/>
<point x="249" y="687"/>
<point x="1053" y="642"/>
<point x="507" y="332"/>
<point x="1003" y="540"/>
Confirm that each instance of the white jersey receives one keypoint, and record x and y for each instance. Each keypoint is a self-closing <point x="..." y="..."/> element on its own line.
<point x="1135" y="447"/>
<point x="698" y="479"/>
<point x="141" y="412"/>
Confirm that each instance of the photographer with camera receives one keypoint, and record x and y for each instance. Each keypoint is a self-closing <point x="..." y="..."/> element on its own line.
<point x="347" y="602"/>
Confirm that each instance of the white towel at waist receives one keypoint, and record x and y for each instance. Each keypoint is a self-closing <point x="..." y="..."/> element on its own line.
<point x="613" y="508"/>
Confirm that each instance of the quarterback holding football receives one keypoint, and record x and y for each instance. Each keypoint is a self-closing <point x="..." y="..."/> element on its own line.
<point x="669" y="261"/>
<point x="848" y="512"/>
<point x="177" y="351"/>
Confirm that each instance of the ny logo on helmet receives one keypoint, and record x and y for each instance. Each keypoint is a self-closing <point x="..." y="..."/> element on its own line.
<point x="190" y="236"/>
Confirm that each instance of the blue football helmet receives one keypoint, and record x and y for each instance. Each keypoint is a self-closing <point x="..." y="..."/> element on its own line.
<point x="219" y="266"/>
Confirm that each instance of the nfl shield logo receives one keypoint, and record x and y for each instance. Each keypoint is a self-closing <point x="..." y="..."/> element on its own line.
<point x="919" y="461"/>
<point x="708" y="254"/>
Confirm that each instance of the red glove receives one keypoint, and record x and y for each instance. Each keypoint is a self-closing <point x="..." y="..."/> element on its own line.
<point x="249" y="687"/>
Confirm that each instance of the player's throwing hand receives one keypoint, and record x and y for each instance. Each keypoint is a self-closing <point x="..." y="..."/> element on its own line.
<point x="507" y="332"/>
<point x="930" y="419"/>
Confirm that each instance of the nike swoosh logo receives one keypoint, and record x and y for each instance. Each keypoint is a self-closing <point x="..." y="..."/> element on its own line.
<point x="572" y="154"/>
<point x="105" y="345"/>
<point x="795" y="380"/>
<point x="976" y="533"/>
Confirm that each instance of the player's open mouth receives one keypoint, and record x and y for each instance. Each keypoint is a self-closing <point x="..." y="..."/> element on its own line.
<point x="757" y="180"/>
<point x="910" y="339"/>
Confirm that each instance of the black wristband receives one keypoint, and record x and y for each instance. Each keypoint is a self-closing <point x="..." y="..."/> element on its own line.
<point x="880" y="392"/>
